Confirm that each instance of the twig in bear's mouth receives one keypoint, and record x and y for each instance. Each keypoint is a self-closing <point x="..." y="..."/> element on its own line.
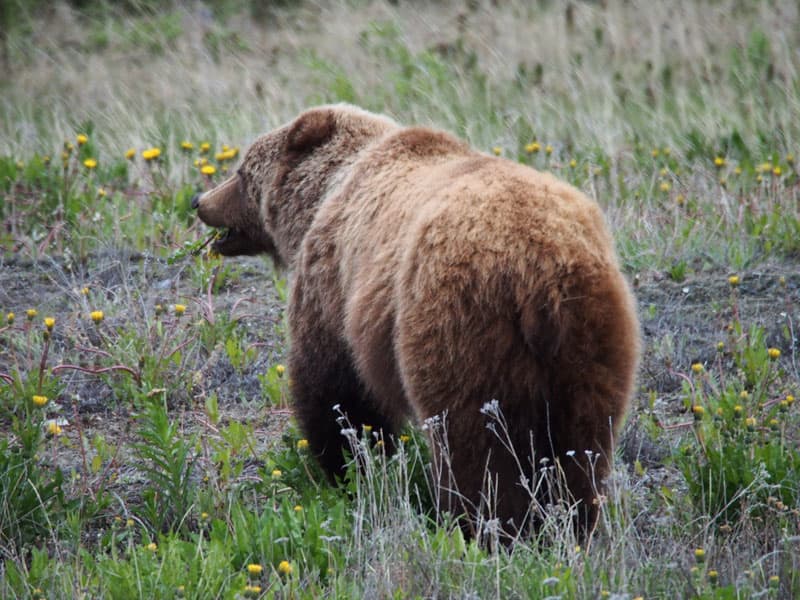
<point x="195" y="248"/>
<point x="217" y="234"/>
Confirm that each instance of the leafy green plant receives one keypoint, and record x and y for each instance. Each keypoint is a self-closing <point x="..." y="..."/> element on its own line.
<point x="743" y="454"/>
<point x="168" y="460"/>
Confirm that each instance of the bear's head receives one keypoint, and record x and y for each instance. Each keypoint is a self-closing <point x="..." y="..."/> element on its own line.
<point x="269" y="203"/>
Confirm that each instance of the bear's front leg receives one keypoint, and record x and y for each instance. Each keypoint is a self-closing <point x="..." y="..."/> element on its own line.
<point x="323" y="372"/>
<point x="324" y="387"/>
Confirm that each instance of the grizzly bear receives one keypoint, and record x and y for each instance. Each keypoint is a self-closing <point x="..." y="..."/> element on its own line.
<point x="431" y="280"/>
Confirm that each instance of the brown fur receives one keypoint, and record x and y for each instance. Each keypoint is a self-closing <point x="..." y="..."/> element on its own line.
<point x="430" y="279"/>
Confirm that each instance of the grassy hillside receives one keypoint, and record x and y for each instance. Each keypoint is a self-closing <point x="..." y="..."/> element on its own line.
<point x="147" y="448"/>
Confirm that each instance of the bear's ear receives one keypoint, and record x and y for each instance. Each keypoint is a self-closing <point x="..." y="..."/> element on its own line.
<point x="309" y="130"/>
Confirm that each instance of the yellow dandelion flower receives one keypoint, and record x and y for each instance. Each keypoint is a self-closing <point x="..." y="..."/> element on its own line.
<point x="700" y="555"/>
<point x="720" y="346"/>
<point x="204" y="516"/>
<point x="187" y="145"/>
<point x="254" y="569"/>
<point x="790" y="399"/>
<point x="82" y="138"/>
<point x="774" y="353"/>
<point x="744" y="395"/>
<point x="276" y="473"/>
<point x="152" y="546"/>
<point x="532" y="148"/>
<point x="280" y="369"/>
<point x="764" y="167"/>
<point x="49" y="323"/>
<point x="302" y="444"/>
<point x="548" y="149"/>
<point x="777" y="171"/>
<point x="367" y="429"/>
<point x="179" y="309"/>
<point x="208" y="169"/>
<point x="405" y="438"/>
<point x="130" y="153"/>
<point x="713" y="576"/>
<point x="129" y="523"/>
<point x="39" y="401"/>
<point x="96" y="316"/>
<point x="666" y="150"/>
<point x="31" y="314"/>
<point x="84" y="291"/>
<point x="680" y="199"/>
<point x="663" y="172"/>
<point x="151" y="154"/>
<point x="719" y="161"/>
<point x="205" y="147"/>
<point x="698" y="411"/>
<point x="789" y="158"/>
<point x="737" y="171"/>
<point x="298" y="508"/>
<point x="10" y="318"/>
<point x="665" y="186"/>
<point x="774" y="424"/>
<point x="655" y="152"/>
<point x="101" y="192"/>
<point x="774" y="581"/>
<point x="53" y="428"/>
<point x="573" y="163"/>
<point x="750" y="423"/>
<point x="90" y="163"/>
<point x="285" y="567"/>
<point x="252" y="591"/>
<point x="697" y="368"/>
<point x="497" y="150"/>
<point x="733" y="280"/>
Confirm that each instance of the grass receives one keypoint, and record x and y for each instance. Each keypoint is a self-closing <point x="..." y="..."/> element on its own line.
<point x="162" y="464"/>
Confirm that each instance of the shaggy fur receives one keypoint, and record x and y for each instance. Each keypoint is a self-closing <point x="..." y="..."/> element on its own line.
<point x="430" y="279"/>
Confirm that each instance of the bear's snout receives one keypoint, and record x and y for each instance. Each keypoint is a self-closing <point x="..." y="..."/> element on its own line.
<point x="196" y="200"/>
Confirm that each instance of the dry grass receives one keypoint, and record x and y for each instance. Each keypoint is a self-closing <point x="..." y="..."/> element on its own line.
<point x="132" y="94"/>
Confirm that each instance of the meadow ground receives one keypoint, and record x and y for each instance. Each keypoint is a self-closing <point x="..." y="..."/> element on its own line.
<point x="147" y="448"/>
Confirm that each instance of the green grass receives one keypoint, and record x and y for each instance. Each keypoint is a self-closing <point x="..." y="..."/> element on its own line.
<point x="681" y="120"/>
